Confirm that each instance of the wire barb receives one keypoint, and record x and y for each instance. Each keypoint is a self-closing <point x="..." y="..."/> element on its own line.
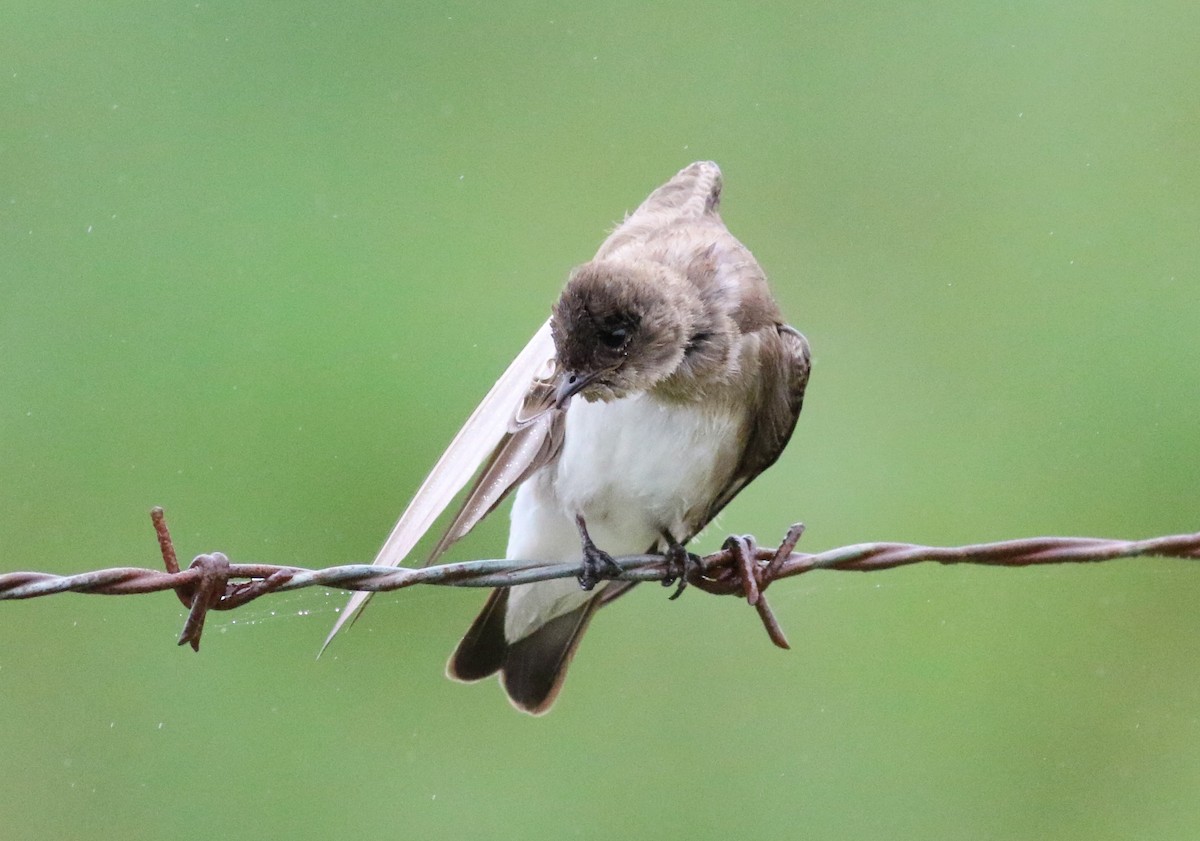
<point x="740" y="568"/>
<point x="206" y="593"/>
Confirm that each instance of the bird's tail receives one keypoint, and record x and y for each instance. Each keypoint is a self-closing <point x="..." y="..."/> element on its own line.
<point x="533" y="668"/>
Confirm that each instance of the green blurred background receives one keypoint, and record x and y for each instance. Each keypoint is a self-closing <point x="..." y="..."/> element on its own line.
<point x="259" y="260"/>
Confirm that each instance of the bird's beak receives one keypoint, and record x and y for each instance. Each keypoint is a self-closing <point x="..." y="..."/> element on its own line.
<point x="571" y="383"/>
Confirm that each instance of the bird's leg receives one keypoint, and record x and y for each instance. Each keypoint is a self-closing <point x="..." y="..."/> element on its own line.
<point x="680" y="564"/>
<point x="597" y="563"/>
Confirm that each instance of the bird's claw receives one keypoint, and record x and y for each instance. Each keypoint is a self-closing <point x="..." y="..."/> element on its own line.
<point x="597" y="564"/>
<point x="680" y="565"/>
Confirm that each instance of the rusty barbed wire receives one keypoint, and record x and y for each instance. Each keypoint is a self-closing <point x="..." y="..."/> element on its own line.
<point x="740" y="568"/>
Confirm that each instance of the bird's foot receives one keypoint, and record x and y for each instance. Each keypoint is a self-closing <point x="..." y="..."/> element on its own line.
<point x="597" y="564"/>
<point x="680" y="565"/>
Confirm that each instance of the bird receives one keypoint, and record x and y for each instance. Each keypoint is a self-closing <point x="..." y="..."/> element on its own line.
<point x="664" y="381"/>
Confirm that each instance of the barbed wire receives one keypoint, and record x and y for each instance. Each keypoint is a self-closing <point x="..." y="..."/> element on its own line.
<point x="740" y="568"/>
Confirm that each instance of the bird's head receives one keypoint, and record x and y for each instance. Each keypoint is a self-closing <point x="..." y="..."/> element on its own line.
<point x="620" y="328"/>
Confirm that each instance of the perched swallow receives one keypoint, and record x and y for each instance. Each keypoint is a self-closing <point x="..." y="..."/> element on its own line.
<point x="663" y="383"/>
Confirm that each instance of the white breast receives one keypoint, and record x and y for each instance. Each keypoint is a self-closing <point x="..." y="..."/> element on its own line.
<point x="637" y="466"/>
<point x="631" y="468"/>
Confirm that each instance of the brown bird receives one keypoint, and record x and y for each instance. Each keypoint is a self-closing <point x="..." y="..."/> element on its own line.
<point x="664" y="382"/>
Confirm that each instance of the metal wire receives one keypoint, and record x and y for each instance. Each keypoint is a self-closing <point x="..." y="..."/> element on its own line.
<point x="740" y="568"/>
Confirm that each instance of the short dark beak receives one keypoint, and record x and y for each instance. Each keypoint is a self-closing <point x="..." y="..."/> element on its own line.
<point x="570" y="384"/>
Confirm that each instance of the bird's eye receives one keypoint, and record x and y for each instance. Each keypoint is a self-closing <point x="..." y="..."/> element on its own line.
<point x="614" y="337"/>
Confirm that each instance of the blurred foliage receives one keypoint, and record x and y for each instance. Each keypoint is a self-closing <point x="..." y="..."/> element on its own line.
<point x="261" y="259"/>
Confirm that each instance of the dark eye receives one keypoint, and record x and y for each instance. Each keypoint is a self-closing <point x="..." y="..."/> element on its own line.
<point x="696" y="342"/>
<point x="613" y="337"/>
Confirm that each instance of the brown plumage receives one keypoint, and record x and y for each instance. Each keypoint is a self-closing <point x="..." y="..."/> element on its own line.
<point x="690" y="385"/>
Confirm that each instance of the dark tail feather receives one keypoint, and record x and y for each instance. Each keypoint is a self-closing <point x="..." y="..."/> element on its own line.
<point x="533" y="668"/>
<point x="482" y="649"/>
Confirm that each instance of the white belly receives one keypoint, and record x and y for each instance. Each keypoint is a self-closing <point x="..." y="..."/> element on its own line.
<point x="632" y="468"/>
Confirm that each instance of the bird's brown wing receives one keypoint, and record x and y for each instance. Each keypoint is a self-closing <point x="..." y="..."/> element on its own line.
<point x="491" y="428"/>
<point x="690" y="197"/>
<point x="784" y="361"/>
<point x="692" y="192"/>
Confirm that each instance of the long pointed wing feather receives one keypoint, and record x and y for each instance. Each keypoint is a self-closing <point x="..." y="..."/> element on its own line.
<point x="534" y="439"/>
<point x="484" y="429"/>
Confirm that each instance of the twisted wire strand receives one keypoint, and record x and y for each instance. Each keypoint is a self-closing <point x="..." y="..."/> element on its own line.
<point x="739" y="568"/>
